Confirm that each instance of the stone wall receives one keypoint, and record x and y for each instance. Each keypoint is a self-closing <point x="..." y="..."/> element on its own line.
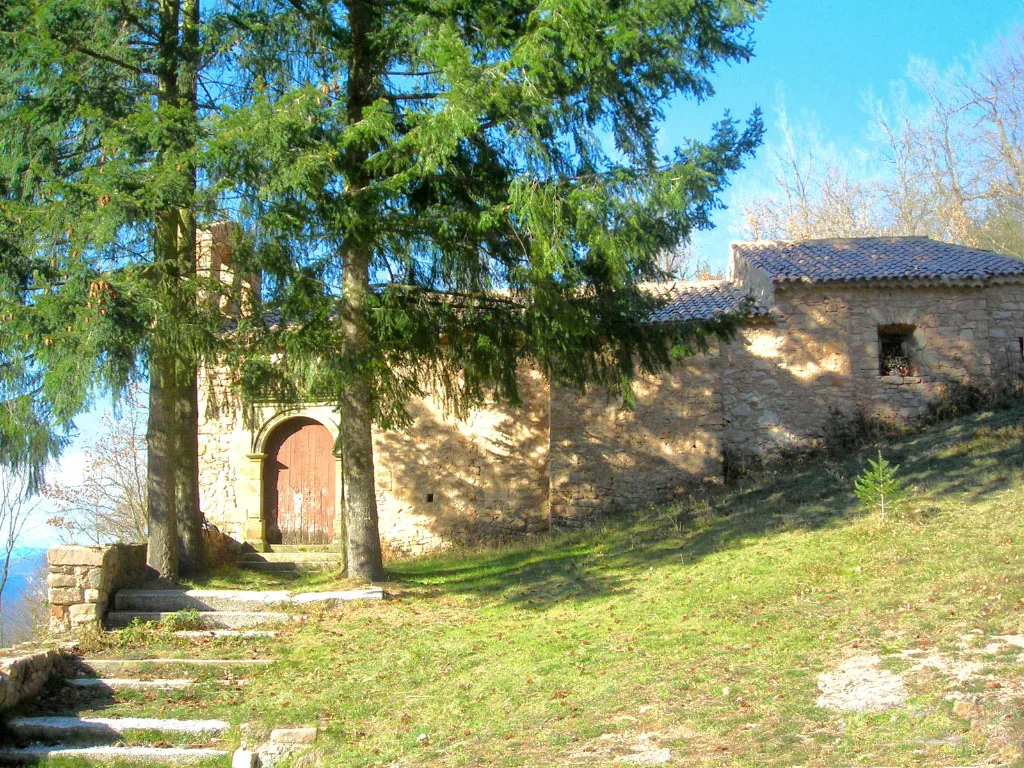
<point x="949" y="344"/>
<point x="23" y="676"/>
<point x="224" y="443"/>
<point x="484" y="477"/>
<point x="1006" y="329"/>
<point x="784" y="378"/>
<point x="444" y="480"/>
<point x="783" y="375"/>
<point x="565" y="458"/>
<point x="81" y="580"/>
<point x="605" y="458"/>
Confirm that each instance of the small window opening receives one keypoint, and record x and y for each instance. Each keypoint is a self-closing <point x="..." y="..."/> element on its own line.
<point x="895" y="343"/>
<point x="1020" y="344"/>
<point x="430" y="498"/>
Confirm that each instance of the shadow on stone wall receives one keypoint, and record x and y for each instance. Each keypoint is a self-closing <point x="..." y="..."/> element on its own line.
<point x="482" y="479"/>
<point x="811" y="493"/>
<point x="606" y="458"/>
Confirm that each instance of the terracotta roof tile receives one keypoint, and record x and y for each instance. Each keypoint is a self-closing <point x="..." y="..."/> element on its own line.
<point x="697" y="300"/>
<point x="875" y="258"/>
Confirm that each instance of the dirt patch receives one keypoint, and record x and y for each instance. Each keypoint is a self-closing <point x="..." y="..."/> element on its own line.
<point x="961" y="671"/>
<point x="861" y="685"/>
<point x="629" y="747"/>
<point x="1001" y="643"/>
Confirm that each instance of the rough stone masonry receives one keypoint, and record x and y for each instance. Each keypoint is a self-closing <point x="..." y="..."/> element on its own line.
<point x="80" y="581"/>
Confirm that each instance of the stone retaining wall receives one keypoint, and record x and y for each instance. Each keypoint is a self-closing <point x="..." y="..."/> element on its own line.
<point x="81" y="580"/>
<point x="22" y="677"/>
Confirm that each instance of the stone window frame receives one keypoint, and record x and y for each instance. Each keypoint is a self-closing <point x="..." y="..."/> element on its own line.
<point x="895" y="350"/>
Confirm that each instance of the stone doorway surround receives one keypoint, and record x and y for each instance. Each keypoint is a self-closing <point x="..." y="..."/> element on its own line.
<point x="250" y="480"/>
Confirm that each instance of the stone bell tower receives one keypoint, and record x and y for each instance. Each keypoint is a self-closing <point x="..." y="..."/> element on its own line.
<point x="215" y="247"/>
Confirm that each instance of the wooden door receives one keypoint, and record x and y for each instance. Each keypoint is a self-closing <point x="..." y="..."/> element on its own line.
<point x="298" y="484"/>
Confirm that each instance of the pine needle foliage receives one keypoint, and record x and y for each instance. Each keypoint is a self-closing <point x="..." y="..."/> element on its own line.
<point x="879" y="489"/>
<point x="497" y="164"/>
<point x="102" y="112"/>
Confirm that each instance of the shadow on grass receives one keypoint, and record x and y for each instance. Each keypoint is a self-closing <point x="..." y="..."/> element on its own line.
<point x="971" y="458"/>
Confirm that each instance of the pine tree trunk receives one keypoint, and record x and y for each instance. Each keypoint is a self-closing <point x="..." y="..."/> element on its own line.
<point x="161" y="438"/>
<point x="190" y="516"/>
<point x="364" y="558"/>
<point x="160" y="466"/>
<point x="191" y="554"/>
<point x="363" y="553"/>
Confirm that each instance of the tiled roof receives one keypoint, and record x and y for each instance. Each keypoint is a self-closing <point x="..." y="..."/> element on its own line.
<point x="875" y="258"/>
<point x="697" y="300"/>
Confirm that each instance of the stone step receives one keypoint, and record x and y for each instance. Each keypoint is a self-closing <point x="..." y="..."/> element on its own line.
<point x="209" y="619"/>
<point x="171" y="756"/>
<point x="160" y="600"/>
<point x="289" y="568"/>
<point x="281" y="568"/>
<point x="153" y="600"/>
<point x="338" y="596"/>
<point x="114" y="684"/>
<point x="218" y="634"/>
<point x="125" y="668"/>
<point x="305" y="548"/>
<point x="336" y="558"/>
<point x="109" y="685"/>
<point x="103" y="730"/>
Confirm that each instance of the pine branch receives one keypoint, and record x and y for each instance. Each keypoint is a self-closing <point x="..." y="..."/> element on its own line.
<point x="105" y="57"/>
<point x="414" y="96"/>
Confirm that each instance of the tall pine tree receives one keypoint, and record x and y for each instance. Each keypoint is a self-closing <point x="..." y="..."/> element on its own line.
<point x="100" y="129"/>
<point x="439" y="191"/>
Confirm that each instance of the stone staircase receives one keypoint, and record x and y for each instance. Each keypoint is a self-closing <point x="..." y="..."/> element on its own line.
<point x="91" y="685"/>
<point x="292" y="558"/>
<point x="70" y="724"/>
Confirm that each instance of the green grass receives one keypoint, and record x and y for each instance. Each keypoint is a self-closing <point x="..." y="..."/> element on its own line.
<point x="703" y="624"/>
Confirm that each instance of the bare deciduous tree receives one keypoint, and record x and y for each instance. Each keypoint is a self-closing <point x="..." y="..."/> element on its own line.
<point x="683" y="263"/>
<point x="950" y="166"/>
<point x="109" y="503"/>
<point x="817" y="194"/>
<point x="676" y="263"/>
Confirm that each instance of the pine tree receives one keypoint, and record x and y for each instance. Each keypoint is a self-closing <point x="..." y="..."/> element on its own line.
<point x="100" y="124"/>
<point x="439" y="192"/>
<point x="879" y="489"/>
<point x="33" y="429"/>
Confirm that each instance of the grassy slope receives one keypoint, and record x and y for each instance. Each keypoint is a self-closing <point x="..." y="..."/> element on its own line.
<point x="703" y="624"/>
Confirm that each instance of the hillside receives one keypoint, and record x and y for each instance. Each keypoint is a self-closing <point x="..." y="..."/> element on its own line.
<point x="695" y="634"/>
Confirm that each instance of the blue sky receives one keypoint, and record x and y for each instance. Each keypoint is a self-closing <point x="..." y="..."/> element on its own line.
<point x="824" y="57"/>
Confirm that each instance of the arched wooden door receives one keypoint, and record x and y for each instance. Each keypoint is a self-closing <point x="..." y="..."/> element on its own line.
<point x="298" y="484"/>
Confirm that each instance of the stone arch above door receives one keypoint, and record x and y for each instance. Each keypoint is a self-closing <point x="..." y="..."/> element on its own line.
<point x="274" y="419"/>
